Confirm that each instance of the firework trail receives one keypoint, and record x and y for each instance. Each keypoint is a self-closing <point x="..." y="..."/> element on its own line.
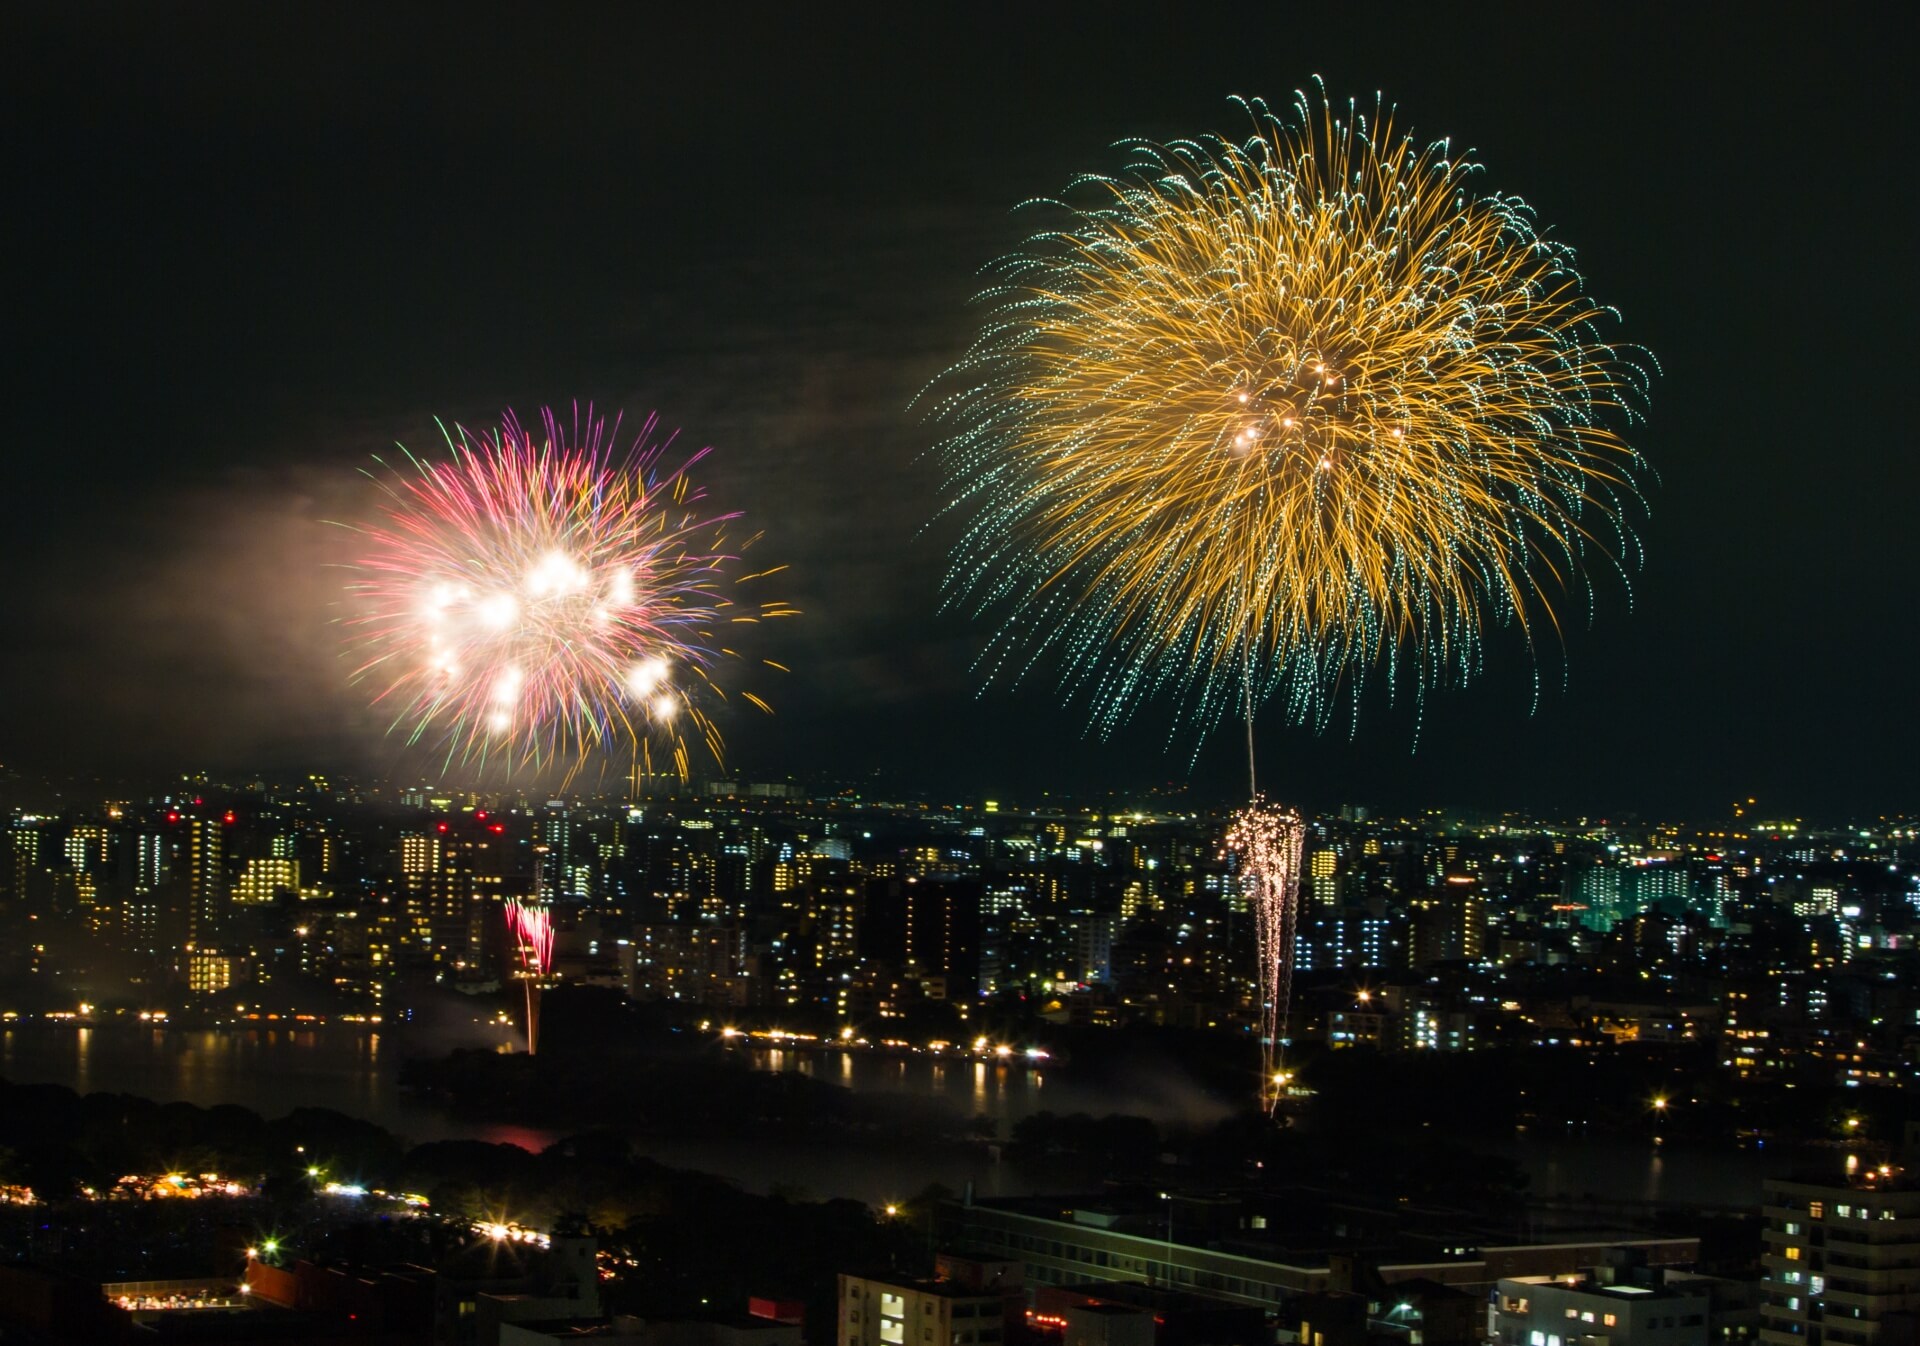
<point x="1258" y="420"/>
<point x="541" y="595"/>
<point x="531" y="927"/>
<point x="1268" y="841"/>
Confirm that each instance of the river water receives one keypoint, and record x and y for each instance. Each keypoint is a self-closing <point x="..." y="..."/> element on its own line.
<point x="273" y="1070"/>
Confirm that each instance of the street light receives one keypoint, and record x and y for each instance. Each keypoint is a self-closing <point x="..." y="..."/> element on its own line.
<point x="1168" y="1198"/>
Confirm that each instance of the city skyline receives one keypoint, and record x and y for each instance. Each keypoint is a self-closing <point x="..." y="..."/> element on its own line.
<point x="389" y="886"/>
<point x="80" y="795"/>
<point x="1342" y="771"/>
<point x="281" y="250"/>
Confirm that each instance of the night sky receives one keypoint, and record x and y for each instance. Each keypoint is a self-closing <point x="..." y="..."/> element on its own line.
<point x="246" y="251"/>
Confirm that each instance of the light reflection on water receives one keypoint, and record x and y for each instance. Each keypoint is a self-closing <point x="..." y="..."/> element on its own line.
<point x="274" y="1070"/>
<point x="1004" y="1091"/>
<point x="1625" y="1171"/>
<point x="269" y="1070"/>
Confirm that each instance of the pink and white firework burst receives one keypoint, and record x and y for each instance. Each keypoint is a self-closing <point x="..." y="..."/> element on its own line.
<point x="542" y="595"/>
<point x="531" y="926"/>
<point x="1268" y="840"/>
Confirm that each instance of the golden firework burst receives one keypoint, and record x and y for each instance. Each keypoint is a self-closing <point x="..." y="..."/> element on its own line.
<point x="1260" y="416"/>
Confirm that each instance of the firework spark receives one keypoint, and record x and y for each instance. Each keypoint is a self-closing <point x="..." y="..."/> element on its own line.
<point x="1260" y="418"/>
<point x="1284" y="410"/>
<point x="541" y="595"/>
<point x="1267" y="841"/>
<point x="530" y="926"/>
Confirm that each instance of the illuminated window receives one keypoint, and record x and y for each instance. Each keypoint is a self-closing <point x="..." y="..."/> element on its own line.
<point x="893" y="1310"/>
<point x="1791" y="1254"/>
<point x="1587" y="1317"/>
<point x="1609" y="1320"/>
<point x="1816" y="1210"/>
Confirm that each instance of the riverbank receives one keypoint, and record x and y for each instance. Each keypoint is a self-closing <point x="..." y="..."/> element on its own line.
<point x="936" y="1121"/>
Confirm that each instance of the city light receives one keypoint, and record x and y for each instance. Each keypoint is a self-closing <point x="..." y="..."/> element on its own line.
<point x="177" y="1187"/>
<point x="1466" y="971"/>
<point x="1265" y="841"/>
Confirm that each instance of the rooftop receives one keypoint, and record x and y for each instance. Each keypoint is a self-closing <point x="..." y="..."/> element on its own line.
<point x="944" y="1289"/>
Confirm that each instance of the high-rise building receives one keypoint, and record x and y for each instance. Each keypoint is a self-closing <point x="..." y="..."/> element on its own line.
<point x="198" y="870"/>
<point x="1448" y="922"/>
<point x="142" y="923"/>
<point x="1710" y="889"/>
<point x="1468" y="908"/>
<point x="264" y="879"/>
<point x="700" y="961"/>
<point x="89" y="848"/>
<point x="23" y="859"/>
<point x="1323" y="877"/>
<point x="675" y="859"/>
<point x="833" y="920"/>
<point x="1658" y="885"/>
<point x="452" y="882"/>
<point x="210" y="971"/>
<point x="1839" y="1261"/>
<point x="419" y="875"/>
<point x="1093" y="945"/>
<point x="1595" y="889"/>
<point x="927" y="928"/>
<point x="89" y="877"/>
